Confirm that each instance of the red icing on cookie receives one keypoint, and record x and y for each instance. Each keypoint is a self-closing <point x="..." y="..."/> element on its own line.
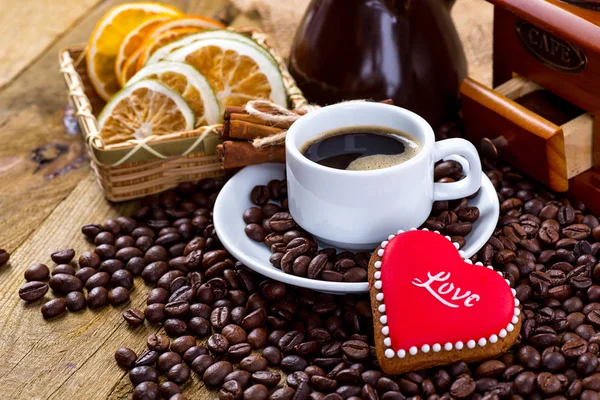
<point x="432" y="296"/>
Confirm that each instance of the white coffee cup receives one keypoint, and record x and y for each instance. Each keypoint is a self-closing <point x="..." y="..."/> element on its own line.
<point x="359" y="209"/>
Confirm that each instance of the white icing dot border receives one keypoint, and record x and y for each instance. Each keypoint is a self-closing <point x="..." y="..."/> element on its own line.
<point x="435" y="347"/>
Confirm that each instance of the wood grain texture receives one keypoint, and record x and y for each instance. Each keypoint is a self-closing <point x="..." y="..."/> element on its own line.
<point x="30" y="26"/>
<point x="39" y="158"/>
<point x="72" y="356"/>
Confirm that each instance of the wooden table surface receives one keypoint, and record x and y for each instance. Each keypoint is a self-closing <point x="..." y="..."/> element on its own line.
<point x="48" y="191"/>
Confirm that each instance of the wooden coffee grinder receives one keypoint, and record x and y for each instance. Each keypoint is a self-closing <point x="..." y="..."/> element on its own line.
<point x="541" y="116"/>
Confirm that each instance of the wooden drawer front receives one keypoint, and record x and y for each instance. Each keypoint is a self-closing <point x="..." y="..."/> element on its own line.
<point x="533" y="144"/>
<point x="511" y="56"/>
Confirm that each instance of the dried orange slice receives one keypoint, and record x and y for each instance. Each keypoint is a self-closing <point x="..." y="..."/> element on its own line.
<point x="134" y="40"/>
<point x="130" y="67"/>
<point x="237" y="71"/>
<point x="144" y="109"/>
<point x="189" y="83"/>
<point x="188" y="21"/>
<point x="107" y="37"/>
<point x="155" y="42"/>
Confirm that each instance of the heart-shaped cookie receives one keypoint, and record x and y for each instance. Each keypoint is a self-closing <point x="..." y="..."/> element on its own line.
<point x="431" y="307"/>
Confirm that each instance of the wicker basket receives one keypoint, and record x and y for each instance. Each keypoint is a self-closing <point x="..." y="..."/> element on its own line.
<point x="138" y="168"/>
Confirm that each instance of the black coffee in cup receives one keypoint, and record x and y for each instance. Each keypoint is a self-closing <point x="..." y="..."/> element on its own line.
<point x="361" y="148"/>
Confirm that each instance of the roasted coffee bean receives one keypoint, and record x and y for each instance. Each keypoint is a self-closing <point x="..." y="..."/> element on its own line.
<point x="574" y="348"/>
<point x="231" y="390"/>
<point x="37" y="272"/>
<point x="158" y="295"/>
<point x="281" y="222"/>
<point x="168" y="360"/>
<point x="529" y="357"/>
<point x="234" y="334"/>
<point x="133" y="317"/>
<point x="124" y="241"/>
<point x="33" y="291"/>
<point x="258" y="392"/>
<point x="239" y="351"/>
<point x="63" y="256"/>
<point x="169" y="389"/>
<point x="566" y="215"/>
<point x="63" y="284"/>
<point x="147" y="358"/>
<point x="253" y="215"/>
<point x="177" y="309"/>
<point x="260" y="195"/>
<point x="54" y="308"/>
<point x="105" y="251"/>
<point x="217" y="343"/>
<point x="290" y="340"/>
<point x="241" y="377"/>
<point x="179" y="373"/>
<point x="155" y="313"/>
<point x="272" y="355"/>
<point x="143" y="374"/>
<point x="118" y="295"/>
<point x="255" y="319"/>
<point x="63" y="269"/>
<point x="284" y="393"/>
<point x="296" y="378"/>
<point x="548" y="384"/>
<point x="153" y="271"/>
<point x="99" y="279"/>
<point x="136" y="265"/>
<point x="253" y="364"/>
<point x="323" y="383"/>
<point x="185" y="293"/>
<point x="91" y="230"/>
<point x="199" y="326"/>
<point x="212" y="257"/>
<point x="255" y="232"/>
<point x="215" y="374"/>
<point x="146" y="391"/>
<point x="268" y="378"/>
<point x="75" y="301"/>
<point x="182" y="344"/>
<point x="122" y="278"/>
<point x="125" y="357"/>
<point x="174" y="326"/>
<point x="293" y="363"/>
<point x="155" y="254"/>
<point x="127" y="253"/>
<point x="194" y="352"/>
<point x="97" y="298"/>
<point x="220" y="317"/>
<point x="356" y="350"/>
<point x="201" y="363"/>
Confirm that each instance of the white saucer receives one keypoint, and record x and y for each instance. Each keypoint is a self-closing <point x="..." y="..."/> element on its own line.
<point x="234" y="199"/>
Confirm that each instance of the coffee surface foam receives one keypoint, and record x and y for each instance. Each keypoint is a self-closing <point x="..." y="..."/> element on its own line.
<point x="380" y="161"/>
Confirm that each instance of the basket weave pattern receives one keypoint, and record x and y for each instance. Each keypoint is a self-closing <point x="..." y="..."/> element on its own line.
<point x="137" y="168"/>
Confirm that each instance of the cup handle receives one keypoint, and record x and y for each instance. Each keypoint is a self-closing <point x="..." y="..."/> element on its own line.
<point x="466" y="186"/>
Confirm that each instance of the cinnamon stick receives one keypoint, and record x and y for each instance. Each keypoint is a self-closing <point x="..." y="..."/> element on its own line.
<point x="244" y="130"/>
<point x="238" y="124"/>
<point x="240" y="154"/>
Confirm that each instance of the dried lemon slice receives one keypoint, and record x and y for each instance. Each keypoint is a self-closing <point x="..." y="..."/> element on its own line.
<point x="144" y="109"/>
<point x="237" y="71"/>
<point x="155" y="42"/>
<point x="163" y="52"/>
<point x="189" y="83"/>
